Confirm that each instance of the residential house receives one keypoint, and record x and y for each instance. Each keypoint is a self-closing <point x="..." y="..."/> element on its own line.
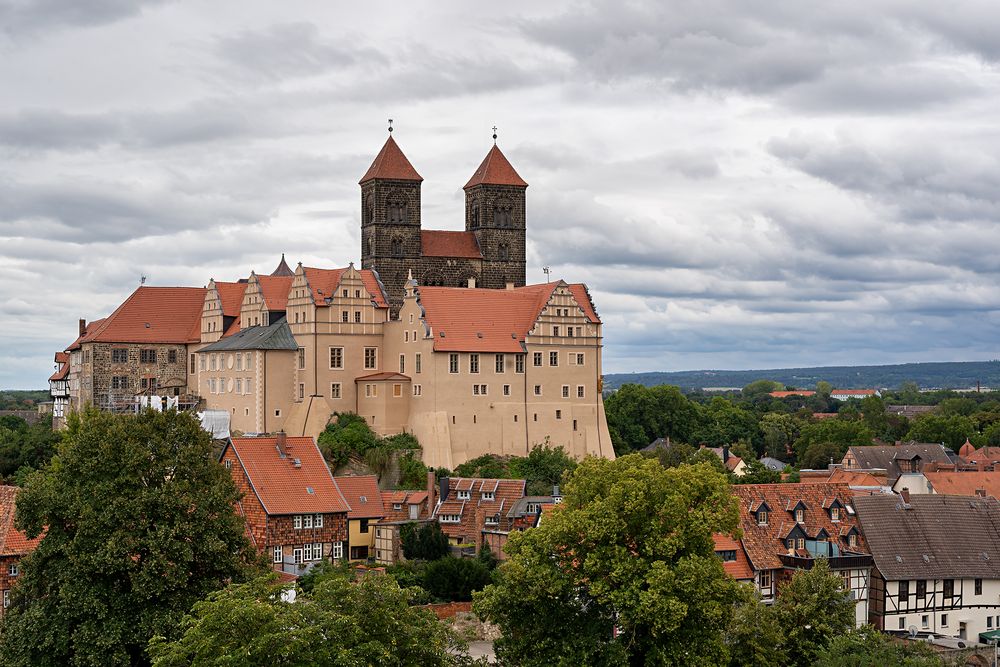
<point x="988" y="456"/>
<point x="363" y="495"/>
<point x="982" y="483"/>
<point x="895" y="459"/>
<point x="787" y="527"/>
<point x="468" y="506"/>
<point x="398" y="509"/>
<point x="846" y="394"/>
<point x="59" y="390"/>
<point x="733" y="463"/>
<point x="294" y="512"/>
<point x="14" y="545"/>
<point x="937" y="563"/>
<point x="734" y="558"/>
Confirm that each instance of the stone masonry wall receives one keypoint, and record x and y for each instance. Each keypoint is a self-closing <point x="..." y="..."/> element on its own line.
<point x="164" y="370"/>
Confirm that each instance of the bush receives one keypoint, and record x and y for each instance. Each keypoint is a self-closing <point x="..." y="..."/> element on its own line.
<point x="454" y="579"/>
<point x="349" y="434"/>
<point x="412" y="472"/>
<point x="424" y="541"/>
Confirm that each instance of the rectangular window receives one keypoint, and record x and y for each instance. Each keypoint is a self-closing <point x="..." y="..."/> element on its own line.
<point x="307" y="551"/>
<point x="297" y="521"/>
<point x="239" y="362"/>
<point x="538" y="390"/>
<point x="147" y="356"/>
<point x="949" y="588"/>
<point x="569" y="331"/>
<point x="13" y="570"/>
<point x="574" y="424"/>
<point x="239" y="385"/>
<point x="565" y="391"/>
<point x="903" y="591"/>
<point x="201" y="362"/>
<point x="453" y="363"/>
<point x="172" y="356"/>
<point x="357" y="294"/>
<point x="761" y="517"/>
<point x="337" y="550"/>
<point x="119" y="382"/>
<point x="944" y="620"/>
<point x="555" y="329"/>
<point x="215" y="362"/>
<point x="307" y="521"/>
<point x="297" y="555"/>
<point x="402" y="363"/>
<point x="553" y="358"/>
<point x="336" y="357"/>
<point x="302" y="391"/>
<point x="558" y="414"/>
<point x="318" y="520"/>
<point x="925" y="621"/>
<point x="317" y="551"/>
<point x="473" y="363"/>
<point x="371" y="358"/>
<point x="417" y="389"/>
<point x="801" y="543"/>
<point x="834" y="514"/>
<point x="357" y="316"/>
<point x="276" y="555"/>
<point x="506" y="390"/>
<point x="536" y="359"/>
<point x="979" y="586"/>
<point x="800" y="516"/>
<point x="345" y="316"/>
<point x="229" y="464"/>
<point x="246" y="361"/>
<point x="579" y="391"/>
<point x="302" y="358"/>
<point x="765" y="580"/>
<point x="248" y="385"/>
<point x="335" y="390"/>
<point x="518" y="363"/>
<point x="397" y="390"/>
<point x="579" y="359"/>
<point x="119" y="356"/>
<point x="499" y="363"/>
<point x="416" y="362"/>
<point x="921" y="588"/>
<point x="902" y="622"/>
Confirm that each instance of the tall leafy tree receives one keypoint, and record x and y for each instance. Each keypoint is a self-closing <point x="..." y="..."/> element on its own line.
<point x="624" y="572"/>
<point x="867" y="647"/>
<point x="840" y="432"/>
<point x="951" y="430"/>
<point x="812" y="609"/>
<point x="754" y="637"/>
<point x="779" y="431"/>
<point x="139" y="524"/>
<point x="638" y="415"/>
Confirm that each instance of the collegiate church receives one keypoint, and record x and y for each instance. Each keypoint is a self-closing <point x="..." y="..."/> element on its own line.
<point x="488" y="254"/>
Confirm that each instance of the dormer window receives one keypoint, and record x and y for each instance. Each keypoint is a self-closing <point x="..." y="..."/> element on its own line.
<point x="397" y="506"/>
<point x="493" y="520"/>
<point x="489" y="495"/>
<point x="800" y="516"/>
<point x="834" y="514"/>
<point x="852" y="540"/>
<point x="761" y="517"/>
<point x="464" y="495"/>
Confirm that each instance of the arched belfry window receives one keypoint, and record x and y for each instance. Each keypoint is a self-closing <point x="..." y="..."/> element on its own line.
<point x="397" y="212"/>
<point x="503" y="252"/>
<point x="503" y="215"/>
<point x="371" y="246"/>
<point x="474" y="216"/>
<point x="368" y="210"/>
<point x="396" y="248"/>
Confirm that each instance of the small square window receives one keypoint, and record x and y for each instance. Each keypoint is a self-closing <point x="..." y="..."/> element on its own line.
<point x="538" y="390"/>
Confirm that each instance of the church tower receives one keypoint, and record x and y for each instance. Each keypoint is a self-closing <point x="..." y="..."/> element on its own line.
<point x="494" y="212"/>
<point x="390" y="218"/>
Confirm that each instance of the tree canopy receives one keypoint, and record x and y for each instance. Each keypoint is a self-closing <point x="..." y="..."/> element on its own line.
<point x="623" y="572"/>
<point x="139" y="524"/>
<point x="812" y="609"/>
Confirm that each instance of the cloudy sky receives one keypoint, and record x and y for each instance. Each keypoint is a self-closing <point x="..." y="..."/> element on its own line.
<point x="742" y="184"/>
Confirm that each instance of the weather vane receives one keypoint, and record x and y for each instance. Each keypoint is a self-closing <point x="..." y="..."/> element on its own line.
<point x="546" y="271"/>
<point x="390" y="126"/>
<point x="494" y="135"/>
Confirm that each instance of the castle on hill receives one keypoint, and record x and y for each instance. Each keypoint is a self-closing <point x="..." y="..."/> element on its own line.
<point x="436" y="334"/>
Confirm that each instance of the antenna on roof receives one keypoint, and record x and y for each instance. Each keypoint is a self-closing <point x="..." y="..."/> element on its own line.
<point x="142" y="280"/>
<point x="390" y="126"/>
<point x="546" y="270"/>
<point x="494" y="135"/>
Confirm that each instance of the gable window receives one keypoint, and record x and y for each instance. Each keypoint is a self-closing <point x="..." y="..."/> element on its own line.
<point x="852" y="540"/>
<point x="518" y="363"/>
<point x="147" y="356"/>
<point x="473" y="363"/>
<point x="499" y="362"/>
<point x="489" y="495"/>
<point x="119" y="356"/>
<point x="727" y="555"/>
<point x="276" y="555"/>
<point x="834" y="514"/>
<point x="453" y="362"/>
<point x="371" y="358"/>
<point x="536" y="359"/>
<point x="801" y="543"/>
<point x="450" y="518"/>
<point x="761" y="517"/>
<point x="800" y="516"/>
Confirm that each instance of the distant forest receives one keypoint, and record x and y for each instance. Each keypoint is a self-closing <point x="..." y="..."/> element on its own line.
<point x="946" y="375"/>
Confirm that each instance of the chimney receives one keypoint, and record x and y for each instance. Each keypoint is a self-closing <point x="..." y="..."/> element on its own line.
<point x="510" y="285"/>
<point x="83" y="326"/>
<point x="279" y="444"/>
<point x="479" y="526"/>
<point x="905" y="494"/>
<point x="430" y="492"/>
<point x="443" y="483"/>
<point x="981" y="493"/>
<point x="725" y="453"/>
<point x="472" y="282"/>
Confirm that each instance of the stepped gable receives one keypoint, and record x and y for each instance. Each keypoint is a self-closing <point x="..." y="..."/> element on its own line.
<point x="154" y="315"/>
<point x="391" y="164"/>
<point x="282" y="269"/>
<point x="495" y="169"/>
<point x="436" y="243"/>
<point x="363" y="495"/>
<point x="284" y="486"/>
<point x="482" y="320"/>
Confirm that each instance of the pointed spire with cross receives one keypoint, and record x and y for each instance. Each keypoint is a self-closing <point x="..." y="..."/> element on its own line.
<point x="494" y="135"/>
<point x="390" y="126"/>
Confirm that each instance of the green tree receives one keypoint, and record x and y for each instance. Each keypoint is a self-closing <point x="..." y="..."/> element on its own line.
<point x="812" y="609"/>
<point x="423" y="541"/>
<point x="760" y="388"/>
<point x="778" y="431"/>
<point x="139" y="525"/>
<point x="754" y="636"/>
<point x="724" y="424"/>
<point x="867" y="647"/>
<point x="370" y="622"/>
<point x="820" y="455"/>
<point x="823" y="388"/>
<point x="950" y="430"/>
<point x="674" y="455"/>
<point x="543" y="468"/>
<point x="842" y="433"/>
<point x="412" y="472"/>
<point x="631" y="547"/>
<point x="346" y="434"/>
<point x="23" y="446"/>
<point x="455" y="579"/>
<point x="637" y="415"/>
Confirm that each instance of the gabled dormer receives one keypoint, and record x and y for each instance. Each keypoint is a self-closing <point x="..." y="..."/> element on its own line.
<point x="849" y="536"/>
<point x="761" y="512"/>
<point x="834" y="508"/>
<point x="795" y="537"/>
<point x="797" y="508"/>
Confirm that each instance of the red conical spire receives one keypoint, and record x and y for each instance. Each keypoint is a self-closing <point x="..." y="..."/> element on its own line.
<point x="390" y="163"/>
<point x="495" y="170"/>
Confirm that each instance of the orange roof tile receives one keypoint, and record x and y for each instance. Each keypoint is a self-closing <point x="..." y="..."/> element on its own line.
<point x="275" y="289"/>
<point x="967" y="483"/>
<point x="390" y="163"/>
<point x="967" y="450"/>
<point x="324" y="283"/>
<point x="495" y="170"/>
<point x="505" y="493"/>
<point x="986" y="454"/>
<point x="438" y="243"/>
<point x="92" y="327"/>
<point x="856" y="478"/>
<point x="280" y="485"/>
<point x="62" y="359"/>
<point x="233" y="329"/>
<point x="363" y="495"/>
<point x="740" y="568"/>
<point x="852" y="392"/>
<point x="786" y="394"/>
<point x="153" y="315"/>
<point x="582" y="296"/>
<point x="231" y="296"/>
<point x="12" y="541"/>
<point x="482" y="320"/>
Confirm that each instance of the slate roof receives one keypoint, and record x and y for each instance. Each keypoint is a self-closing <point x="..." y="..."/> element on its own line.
<point x="887" y="457"/>
<point x="282" y="269"/>
<point x="363" y="495"/>
<point x="12" y="541"/>
<point x="390" y="163"/>
<point x="280" y="485"/>
<point x="153" y="315"/>
<point x="437" y="243"/>
<point x="763" y="544"/>
<point x="936" y="537"/>
<point x="772" y="463"/>
<point x="495" y="169"/>
<point x="276" y="336"/>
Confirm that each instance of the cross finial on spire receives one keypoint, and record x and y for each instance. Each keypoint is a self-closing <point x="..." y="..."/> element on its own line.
<point x="494" y="135"/>
<point x="390" y="126"/>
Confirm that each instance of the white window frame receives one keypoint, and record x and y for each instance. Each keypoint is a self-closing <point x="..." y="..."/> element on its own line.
<point x="337" y="550"/>
<point x="317" y="551"/>
<point x="297" y="522"/>
<point x="335" y="390"/>
<point x="374" y="358"/>
<point x="489" y="495"/>
<point x="453" y="363"/>
<point x="276" y="555"/>
<point x="340" y="358"/>
<point x="464" y="495"/>
<point x="317" y="520"/>
<point x="307" y="521"/>
<point x="500" y="363"/>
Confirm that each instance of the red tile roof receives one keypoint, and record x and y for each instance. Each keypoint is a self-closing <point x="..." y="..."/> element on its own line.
<point x="275" y="289"/>
<point x="967" y="450"/>
<point x="363" y="495"/>
<point x="786" y="394"/>
<point x="763" y="544"/>
<point x="324" y="283"/>
<point x="437" y="243"/>
<point x="955" y="483"/>
<point x="986" y="454"/>
<point x="582" y="296"/>
<point x="62" y="371"/>
<point x="506" y="492"/>
<point x="404" y="499"/>
<point x="280" y="485"/>
<point x="390" y="163"/>
<point x="495" y="170"/>
<point x="153" y="315"/>
<point x="12" y="541"/>
<point x="92" y="327"/>
<point x="231" y="295"/>
<point x="740" y="568"/>
<point x="482" y="320"/>
<point x="852" y="392"/>
<point x="856" y="478"/>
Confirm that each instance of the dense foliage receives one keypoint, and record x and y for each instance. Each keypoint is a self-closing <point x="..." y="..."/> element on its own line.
<point x="348" y="434"/>
<point x="25" y="447"/>
<point x="423" y="541"/>
<point x="812" y="609"/>
<point x="340" y="622"/>
<point x="867" y="647"/>
<point x="20" y="399"/>
<point x="631" y="548"/>
<point x="542" y="469"/>
<point x="455" y="579"/>
<point x="139" y="525"/>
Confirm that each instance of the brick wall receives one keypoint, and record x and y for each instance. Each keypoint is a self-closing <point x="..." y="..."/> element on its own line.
<point x="448" y="609"/>
<point x="6" y="580"/>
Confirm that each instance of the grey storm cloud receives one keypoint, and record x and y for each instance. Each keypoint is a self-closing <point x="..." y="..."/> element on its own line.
<point x="741" y="184"/>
